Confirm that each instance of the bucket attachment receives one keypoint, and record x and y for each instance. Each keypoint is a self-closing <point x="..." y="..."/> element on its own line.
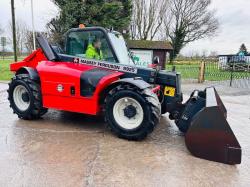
<point x="209" y="135"/>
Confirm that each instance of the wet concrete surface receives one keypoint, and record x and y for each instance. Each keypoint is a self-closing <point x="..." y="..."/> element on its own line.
<point x="66" y="149"/>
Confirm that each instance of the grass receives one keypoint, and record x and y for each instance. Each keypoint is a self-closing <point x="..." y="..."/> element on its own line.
<point x="188" y="69"/>
<point x="212" y="73"/>
<point x="5" y="73"/>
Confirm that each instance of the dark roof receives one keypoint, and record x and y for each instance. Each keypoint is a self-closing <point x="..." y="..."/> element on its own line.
<point x="146" y="44"/>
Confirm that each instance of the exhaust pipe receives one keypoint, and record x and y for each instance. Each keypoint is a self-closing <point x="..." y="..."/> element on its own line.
<point x="208" y="134"/>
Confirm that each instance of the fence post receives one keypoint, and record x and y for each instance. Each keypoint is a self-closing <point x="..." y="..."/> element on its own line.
<point x="232" y="70"/>
<point x="201" y="77"/>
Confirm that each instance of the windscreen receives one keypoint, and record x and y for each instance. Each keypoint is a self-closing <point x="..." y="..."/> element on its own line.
<point x="120" y="48"/>
<point x="89" y="44"/>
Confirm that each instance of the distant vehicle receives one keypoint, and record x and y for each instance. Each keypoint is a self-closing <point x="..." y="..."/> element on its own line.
<point x="238" y="62"/>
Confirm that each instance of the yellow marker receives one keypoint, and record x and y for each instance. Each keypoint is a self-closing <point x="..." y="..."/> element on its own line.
<point x="169" y="91"/>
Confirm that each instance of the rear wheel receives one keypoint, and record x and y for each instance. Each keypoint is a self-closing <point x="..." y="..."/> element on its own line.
<point x="132" y="113"/>
<point x="25" y="97"/>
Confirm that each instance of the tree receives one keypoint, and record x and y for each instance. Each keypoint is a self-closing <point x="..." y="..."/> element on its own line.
<point x="21" y="30"/>
<point x="147" y="18"/>
<point x="213" y="54"/>
<point x="29" y="40"/>
<point x="3" y="42"/>
<point x="188" y="21"/>
<point x="243" y="49"/>
<point x="107" y="13"/>
<point x="1" y="30"/>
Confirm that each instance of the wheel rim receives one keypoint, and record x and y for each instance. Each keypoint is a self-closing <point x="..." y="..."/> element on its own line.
<point x="128" y="122"/>
<point x="21" y="98"/>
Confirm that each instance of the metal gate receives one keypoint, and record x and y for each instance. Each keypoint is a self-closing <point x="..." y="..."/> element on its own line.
<point x="234" y="73"/>
<point x="228" y="73"/>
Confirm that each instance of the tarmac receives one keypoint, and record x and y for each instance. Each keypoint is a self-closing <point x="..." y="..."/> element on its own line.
<point x="67" y="149"/>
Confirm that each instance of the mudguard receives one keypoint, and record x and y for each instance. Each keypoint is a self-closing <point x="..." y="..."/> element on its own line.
<point x="137" y="81"/>
<point x="33" y="74"/>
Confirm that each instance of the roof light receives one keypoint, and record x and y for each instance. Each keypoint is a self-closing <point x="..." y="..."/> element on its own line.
<point x="81" y="26"/>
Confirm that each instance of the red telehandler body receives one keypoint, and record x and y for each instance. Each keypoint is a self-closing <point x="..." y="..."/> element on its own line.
<point x="131" y="98"/>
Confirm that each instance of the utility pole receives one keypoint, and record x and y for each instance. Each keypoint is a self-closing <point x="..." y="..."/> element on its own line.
<point x="14" y="29"/>
<point x="33" y="26"/>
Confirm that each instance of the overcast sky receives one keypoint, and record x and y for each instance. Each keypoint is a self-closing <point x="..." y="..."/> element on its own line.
<point x="233" y="16"/>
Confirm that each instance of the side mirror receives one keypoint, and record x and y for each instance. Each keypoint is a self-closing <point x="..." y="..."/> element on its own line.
<point x="156" y="60"/>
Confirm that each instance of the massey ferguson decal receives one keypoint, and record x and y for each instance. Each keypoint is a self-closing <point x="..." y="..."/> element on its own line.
<point x="116" y="67"/>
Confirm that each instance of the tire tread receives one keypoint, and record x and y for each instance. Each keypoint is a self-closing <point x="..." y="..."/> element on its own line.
<point x="37" y="111"/>
<point x="151" y="100"/>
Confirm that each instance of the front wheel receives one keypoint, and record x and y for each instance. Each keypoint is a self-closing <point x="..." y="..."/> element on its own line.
<point x="132" y="113"/>
<point x="25" y="97"/>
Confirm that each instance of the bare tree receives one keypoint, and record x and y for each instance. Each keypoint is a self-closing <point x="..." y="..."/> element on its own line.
<point x="29" y="40"/>
<point x="188" y="21"/>
<point x="213" y="54"/>
<point x="1" y="30"/>
<point x="147" y="18"/>
<point x="21" y="32"/>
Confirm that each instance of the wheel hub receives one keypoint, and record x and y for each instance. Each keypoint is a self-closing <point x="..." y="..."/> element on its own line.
<point x="21" y="98"/>
<point x="25" y="97"/>
<point x="130" y="111"/>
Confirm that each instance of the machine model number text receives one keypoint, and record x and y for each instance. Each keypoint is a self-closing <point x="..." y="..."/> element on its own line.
<point x="115" y="67"/>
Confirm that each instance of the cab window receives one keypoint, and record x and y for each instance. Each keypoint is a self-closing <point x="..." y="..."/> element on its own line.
<point x="89" y="44"/>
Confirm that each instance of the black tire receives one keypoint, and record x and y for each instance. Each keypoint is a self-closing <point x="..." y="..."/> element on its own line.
<point x="149" y="103"/>
<point x="35" y="108"/>
<point x="163" y="108"/>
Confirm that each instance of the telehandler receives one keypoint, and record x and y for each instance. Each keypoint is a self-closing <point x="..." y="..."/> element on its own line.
<point x="131" y="98"/>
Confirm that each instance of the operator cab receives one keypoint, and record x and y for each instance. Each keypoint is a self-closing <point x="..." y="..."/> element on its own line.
<point x="112" y="45"/>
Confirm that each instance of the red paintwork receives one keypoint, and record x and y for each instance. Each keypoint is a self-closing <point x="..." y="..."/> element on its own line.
<point x="156" y="89"/>
<point x="31" y="61"/>
<point x="152" y="66"/>
<point x="67" y="74"/>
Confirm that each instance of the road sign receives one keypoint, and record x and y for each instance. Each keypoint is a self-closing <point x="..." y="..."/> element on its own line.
<point x="3" y="41"/>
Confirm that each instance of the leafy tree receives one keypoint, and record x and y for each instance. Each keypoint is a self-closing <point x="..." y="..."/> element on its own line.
<point x="243" y="49"/>
<point x="106" y="13"/>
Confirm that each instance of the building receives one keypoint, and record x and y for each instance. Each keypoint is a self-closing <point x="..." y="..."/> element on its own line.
<point x="144" y="51"/>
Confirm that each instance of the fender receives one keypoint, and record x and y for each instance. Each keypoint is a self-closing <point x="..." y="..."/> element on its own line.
<point x="33" y="74"/>
<point x="136" y="81"/>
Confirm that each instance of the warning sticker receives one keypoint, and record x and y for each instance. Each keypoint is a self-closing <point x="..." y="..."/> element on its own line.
<point x="169" y="91"/>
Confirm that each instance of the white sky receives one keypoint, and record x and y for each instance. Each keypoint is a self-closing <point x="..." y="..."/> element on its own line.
<point x="233" y="16"/>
